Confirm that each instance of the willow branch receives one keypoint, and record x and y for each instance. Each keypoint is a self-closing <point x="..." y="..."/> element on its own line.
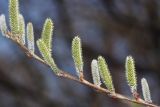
<point x="64" y="74"/>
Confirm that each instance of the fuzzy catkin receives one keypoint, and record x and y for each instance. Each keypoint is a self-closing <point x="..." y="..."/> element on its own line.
<point x="30" y="37"/>
<point x="14" y="16"/>
<point x="131" y="73"/>
<point x="47" y="33"/>
<point x="145" y="90"/>
<point x="47" y="55"/>
<point x="22" y="28"/>
<point x="3" y="25"/>
<point x="105" y="73"/>
<point x="77" y="54"/>
<point x="95" y="73"/>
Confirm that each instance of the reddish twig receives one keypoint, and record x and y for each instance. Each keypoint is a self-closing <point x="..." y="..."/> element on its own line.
<point x="81" y="80"/>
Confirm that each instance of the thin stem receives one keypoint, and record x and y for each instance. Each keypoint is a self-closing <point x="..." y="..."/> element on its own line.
<point x="81" y="80"/>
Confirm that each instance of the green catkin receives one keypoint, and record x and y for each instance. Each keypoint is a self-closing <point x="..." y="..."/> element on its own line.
<point x="47" y="33"/>
<point x="77" y="54"/>
<point x="131" y="73"/>
<point x="14" y="16"/>
<point x="47" y="55"/>
<point x="105" y="73"/>
<point x="22" y="28"/>
<point x="95" y="73"/>
<point x="145" y="90"/>
<point x="3" y="25"/>
<point x="30" y="37"/>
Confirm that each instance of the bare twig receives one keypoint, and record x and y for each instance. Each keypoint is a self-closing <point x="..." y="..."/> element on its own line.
<point x="81" y="80"/>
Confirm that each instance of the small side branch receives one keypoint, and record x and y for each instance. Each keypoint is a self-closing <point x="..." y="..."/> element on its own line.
<point x="81" y="80"/>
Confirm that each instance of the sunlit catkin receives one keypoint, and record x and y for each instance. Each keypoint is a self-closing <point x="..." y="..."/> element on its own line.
<point x="77" y="54"/>
<point x="47" y="33"/>
<point x="105" y="73"/>
<point x="131" y="73"/>
<point x="14" y="16"/>
<point x="47" y="55"/>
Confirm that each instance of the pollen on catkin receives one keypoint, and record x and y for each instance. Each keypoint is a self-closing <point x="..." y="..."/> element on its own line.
<point x="47" y="55"/>
<point x="131" y="73"/>
<point x="14" y="16"/>
<point x="105" y="73"/>
<point x="77" y="54"/>
<point x="47" y="33"/>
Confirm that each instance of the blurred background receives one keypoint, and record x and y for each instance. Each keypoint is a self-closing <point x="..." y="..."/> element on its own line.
<point x="111" y="28"/>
